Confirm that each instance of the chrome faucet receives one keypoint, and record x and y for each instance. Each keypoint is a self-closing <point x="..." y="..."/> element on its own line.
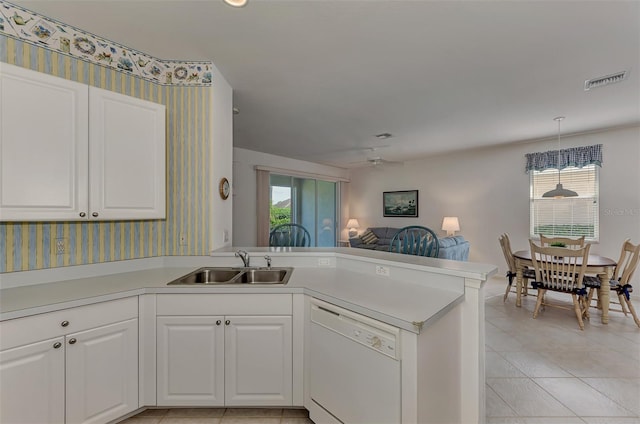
<point x="268" y="259"/>
<point x="244" y="256"/>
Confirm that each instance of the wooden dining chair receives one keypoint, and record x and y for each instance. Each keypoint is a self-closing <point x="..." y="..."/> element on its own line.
<point x="527" y="273"/>
<point x="415" y="240"/>
<point x="289" y="235"/>
<point x="569" y="243"/>
<point x="620" y="282"/>
<point x="560" y="269"/>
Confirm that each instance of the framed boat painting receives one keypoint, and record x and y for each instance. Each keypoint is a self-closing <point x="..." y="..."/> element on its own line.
<point x="402" y="204"/>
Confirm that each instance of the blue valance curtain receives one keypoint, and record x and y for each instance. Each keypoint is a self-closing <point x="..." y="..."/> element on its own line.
<point x="574" y="156"/>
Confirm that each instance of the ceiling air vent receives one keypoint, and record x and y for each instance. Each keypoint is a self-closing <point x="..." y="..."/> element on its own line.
<point x="602" y="81"/>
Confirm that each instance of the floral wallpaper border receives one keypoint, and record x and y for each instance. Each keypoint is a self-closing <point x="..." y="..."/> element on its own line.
<point x="39" y="30"/>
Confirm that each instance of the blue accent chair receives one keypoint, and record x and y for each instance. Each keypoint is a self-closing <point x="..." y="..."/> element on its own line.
<point x="289" y="235"/>
<point x="415" y="240"/>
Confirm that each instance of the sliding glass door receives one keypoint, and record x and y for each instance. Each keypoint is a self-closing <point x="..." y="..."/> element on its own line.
<point x="309" y="202"/>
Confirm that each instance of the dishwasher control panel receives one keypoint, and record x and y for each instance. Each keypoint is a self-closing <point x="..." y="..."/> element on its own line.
<point x="376" y="340"/>
<point x="366" y="331"/>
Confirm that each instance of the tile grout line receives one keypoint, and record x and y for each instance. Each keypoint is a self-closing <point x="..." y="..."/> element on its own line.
<point x="633" y="414"/>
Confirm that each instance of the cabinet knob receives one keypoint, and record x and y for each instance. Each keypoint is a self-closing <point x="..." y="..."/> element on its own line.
<point x="72" y="341"/>
<point x="218" y="322"/>
<point x="82" y="214"/>
<point x="57" y="345"/>
<point x="64" y="323"/>
<point x="227" y="322"/>
<point x="95" y="214"/>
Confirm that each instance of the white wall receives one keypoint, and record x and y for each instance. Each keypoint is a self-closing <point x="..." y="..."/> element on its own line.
<point x="244" y="187"/>
<point x="221" y="219"/>
<point x="488" y="190"/>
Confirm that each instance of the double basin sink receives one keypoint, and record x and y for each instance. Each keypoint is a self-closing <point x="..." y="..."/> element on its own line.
<point x="236" y="276"/>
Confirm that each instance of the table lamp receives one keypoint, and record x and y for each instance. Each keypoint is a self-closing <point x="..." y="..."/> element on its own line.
<point x="353" y="226"/>
<point x="450" y="224"/>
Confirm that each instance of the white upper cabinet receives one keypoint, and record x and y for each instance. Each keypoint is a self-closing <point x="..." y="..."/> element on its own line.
<point x="73" y="152"/>
<point x="43" y="146"/>
<point x="127" y="157"/>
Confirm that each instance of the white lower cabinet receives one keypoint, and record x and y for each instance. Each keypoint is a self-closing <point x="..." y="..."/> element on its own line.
<point x="102" y="373"/>
<point x="86" y="372"/>
<point x="32" y="383"/>
<point x="258" y="367"/>
<point x="232" y="360"/>
<point x="190" y="359"/>
<point x="224" y="360"/>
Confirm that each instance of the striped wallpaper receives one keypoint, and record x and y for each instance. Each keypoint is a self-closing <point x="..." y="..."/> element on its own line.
<point x="27" y="246"/>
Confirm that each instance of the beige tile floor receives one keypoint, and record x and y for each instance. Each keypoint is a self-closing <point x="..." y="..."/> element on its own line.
<point x="221" y="416"/>
<point x="548" y="371"/>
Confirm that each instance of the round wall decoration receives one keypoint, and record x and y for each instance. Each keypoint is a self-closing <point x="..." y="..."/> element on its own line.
<point x="224" y="188"/>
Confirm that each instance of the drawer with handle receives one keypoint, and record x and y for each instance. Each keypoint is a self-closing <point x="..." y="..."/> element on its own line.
<point x="21" y="331"/>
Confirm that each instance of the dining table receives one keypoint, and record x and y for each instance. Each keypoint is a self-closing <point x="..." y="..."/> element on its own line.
<point x="596" y="265"/>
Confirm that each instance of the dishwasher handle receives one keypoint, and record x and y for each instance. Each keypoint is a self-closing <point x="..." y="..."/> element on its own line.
<point x="328" y="310"/>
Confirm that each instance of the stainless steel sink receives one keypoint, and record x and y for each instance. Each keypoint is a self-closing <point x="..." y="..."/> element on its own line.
<point x="235" y="276"/>
<point x="208" y="276"/>
<point x="265" y="276"/>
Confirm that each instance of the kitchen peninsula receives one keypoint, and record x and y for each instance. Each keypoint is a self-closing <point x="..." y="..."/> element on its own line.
<point x="434" y="307"/>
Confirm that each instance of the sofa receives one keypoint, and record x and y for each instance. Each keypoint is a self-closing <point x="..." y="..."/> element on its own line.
<point x="455" y="248"/>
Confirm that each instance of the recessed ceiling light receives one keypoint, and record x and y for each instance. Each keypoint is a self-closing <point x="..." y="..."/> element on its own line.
<point x="236" y="3"/>
<point x="384" y="136"/>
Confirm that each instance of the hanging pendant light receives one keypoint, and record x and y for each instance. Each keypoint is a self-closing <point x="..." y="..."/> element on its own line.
<point x="559" y="192"/>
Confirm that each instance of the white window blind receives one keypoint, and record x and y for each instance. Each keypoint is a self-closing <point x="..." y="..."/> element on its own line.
<point x="569" y="216"/>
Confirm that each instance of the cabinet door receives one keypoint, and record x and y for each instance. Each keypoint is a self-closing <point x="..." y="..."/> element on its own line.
<point x="258" y="367"/>
<point x="190" y="357"/>
<point x="43" y="146"/>
<point x="32" y="383"/>
<point x="127" y="157"/>
<point x="102" y="373"/>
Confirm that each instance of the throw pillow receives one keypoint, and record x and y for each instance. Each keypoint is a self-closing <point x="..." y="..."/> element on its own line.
<point x="368" y="237"/>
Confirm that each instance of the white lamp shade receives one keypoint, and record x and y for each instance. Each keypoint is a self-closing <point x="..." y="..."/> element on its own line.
<point x="450" y="224"/>
<point x="353" y="223"/>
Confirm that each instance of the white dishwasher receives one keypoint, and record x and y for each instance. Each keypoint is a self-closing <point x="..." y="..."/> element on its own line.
<point x="354" y="368"/>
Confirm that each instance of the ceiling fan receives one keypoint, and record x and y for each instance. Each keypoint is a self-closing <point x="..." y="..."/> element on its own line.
<point x="374" y="160"/>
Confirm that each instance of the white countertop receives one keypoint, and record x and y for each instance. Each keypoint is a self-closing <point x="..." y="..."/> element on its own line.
<point x="405" y="299"/>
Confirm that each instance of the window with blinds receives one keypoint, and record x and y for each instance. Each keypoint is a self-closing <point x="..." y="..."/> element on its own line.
<point x="569" y="216"/>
